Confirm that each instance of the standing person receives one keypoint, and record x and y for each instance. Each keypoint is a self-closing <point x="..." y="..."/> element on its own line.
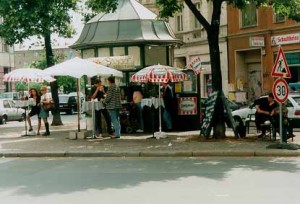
<point x="35" y="110"/>
<point x="137" y="100"/>
<point x="113" y="105"/>
<point x="264" y="108"/>
<point x="45" y="99"/>
<point x="98" y="92"/>
<point x="168" y="101"/>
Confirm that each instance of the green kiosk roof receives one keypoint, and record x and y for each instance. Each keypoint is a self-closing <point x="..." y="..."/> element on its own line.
<point x="130" y="24"/>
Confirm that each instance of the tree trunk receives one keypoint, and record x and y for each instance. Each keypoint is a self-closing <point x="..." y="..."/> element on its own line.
<point x="213" y="41"/>
<point x="54" y="87"/>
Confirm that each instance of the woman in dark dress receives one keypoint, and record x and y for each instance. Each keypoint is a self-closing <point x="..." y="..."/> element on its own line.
<point x="35" y="110"/>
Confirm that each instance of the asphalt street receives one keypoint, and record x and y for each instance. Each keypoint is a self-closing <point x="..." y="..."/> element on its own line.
<point x="150" y="180"/>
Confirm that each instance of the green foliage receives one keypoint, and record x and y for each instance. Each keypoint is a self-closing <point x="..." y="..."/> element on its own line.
<point x="69" y="83"/>
<point x="102" y="5"/>
<point x="23" y="86"/>
<point x="26" y="18"/>
<point x="167" y="8"/>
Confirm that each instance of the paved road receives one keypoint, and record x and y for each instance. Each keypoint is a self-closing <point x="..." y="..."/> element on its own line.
<point x="159" y="180"/>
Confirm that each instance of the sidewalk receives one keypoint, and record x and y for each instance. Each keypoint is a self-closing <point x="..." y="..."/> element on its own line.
<point x="177" y="144"/>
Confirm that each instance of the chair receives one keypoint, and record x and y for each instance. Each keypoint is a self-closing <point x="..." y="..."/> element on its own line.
<point x="267" y="125"/>
<point x="250" y="122"/>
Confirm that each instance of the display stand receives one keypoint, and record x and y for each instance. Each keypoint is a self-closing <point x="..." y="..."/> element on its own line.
<point x="25" y="105"/>
<point x="92" y="106"/>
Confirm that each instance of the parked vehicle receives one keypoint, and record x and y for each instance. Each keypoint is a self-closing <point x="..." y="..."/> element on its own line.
<point x="81" y="95"/>
<point x="292" y="104"/>
<point x="9" y="112"/>
<point x="10" y="95"/>
<point x="67" y="103"/>
<point x="233" y="106"/>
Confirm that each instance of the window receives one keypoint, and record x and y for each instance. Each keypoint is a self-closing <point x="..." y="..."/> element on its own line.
<point x="249" y="15"/>
<point x="279" y="18"/>
<point x="5" y="47"/>
<point x="134" y="51"/>
<point x="196" y="22"/>
<point x="6" y="104"/>
<point x="119" y="51"/>
<point x="104" y="52"/>
<point x="179" y="23"/>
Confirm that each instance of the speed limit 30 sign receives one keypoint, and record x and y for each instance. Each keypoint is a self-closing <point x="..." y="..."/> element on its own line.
<point x="280" y="90"/>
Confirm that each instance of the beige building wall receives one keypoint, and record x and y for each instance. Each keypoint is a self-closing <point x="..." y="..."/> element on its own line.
<point x="195" y="42"/>
<point x="6" y="65"/>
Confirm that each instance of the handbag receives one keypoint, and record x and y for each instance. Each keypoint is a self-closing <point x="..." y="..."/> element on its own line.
<point x="49" y="106"/>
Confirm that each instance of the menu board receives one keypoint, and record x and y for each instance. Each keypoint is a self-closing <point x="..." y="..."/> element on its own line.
<point x="209" y="104"/>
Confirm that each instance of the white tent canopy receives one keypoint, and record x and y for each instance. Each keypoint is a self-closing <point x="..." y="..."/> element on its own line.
<point x="77" y="67"/>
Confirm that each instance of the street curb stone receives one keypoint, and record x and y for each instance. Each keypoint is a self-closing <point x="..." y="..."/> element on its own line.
<point x="154" y="154"/>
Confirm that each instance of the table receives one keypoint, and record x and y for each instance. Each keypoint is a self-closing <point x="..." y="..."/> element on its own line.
<point x="25" y="104"/>
<point x="92" y="106"/>
<point x="154" y="103"/>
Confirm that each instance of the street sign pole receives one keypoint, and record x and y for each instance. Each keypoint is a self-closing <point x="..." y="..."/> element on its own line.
<point x="280" y="116"/>
<point x="280" y="123"/>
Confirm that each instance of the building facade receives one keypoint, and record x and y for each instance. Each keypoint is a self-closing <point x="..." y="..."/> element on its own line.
<point x="253" y="42"/>
<point x="6" y="65"/>
<point x="195" y="44"/>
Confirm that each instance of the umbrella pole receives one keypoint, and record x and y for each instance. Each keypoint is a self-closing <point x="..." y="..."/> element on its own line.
<point x="78" y="105"/>
<point x="26" y="111"/>
<point x="159" y="107"/>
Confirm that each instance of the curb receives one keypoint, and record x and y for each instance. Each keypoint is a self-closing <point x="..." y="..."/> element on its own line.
<point x="262" y="153"/>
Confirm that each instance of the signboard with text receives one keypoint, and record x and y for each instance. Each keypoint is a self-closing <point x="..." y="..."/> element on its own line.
<point x="257" y="41"/>
<point x="285" y="39"/>
<point x="187" y="106"/>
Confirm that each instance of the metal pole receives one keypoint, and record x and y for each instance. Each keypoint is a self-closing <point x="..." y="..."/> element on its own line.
<point x="93" y="117"/>
<point x="280" y="123"/>
<point x="78" y="105"/>
<point x="200" y="94"/>
<point x="159" y="107"/>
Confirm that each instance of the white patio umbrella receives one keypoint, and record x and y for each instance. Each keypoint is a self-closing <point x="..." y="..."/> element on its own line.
<point x="77" y="67"/>
<point x="159" y="74"/>
<point x="28" y="75"/>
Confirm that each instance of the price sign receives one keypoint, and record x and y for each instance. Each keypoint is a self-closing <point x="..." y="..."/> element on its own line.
<point x="280" y="90"/>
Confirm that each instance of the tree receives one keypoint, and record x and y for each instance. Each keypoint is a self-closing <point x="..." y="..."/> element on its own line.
<point x="289" y="8"/>
<point x="25" y="18"/>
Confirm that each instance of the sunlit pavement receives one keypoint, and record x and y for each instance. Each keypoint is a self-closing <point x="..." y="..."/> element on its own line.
<point x="177" y="144"/>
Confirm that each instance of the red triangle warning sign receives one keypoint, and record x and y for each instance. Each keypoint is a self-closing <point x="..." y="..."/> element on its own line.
<point x="281" y="68"/>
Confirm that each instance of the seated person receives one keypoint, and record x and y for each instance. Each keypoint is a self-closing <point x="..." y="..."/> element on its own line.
<point x="287" y="129"/>
<point x="264" y="107"/>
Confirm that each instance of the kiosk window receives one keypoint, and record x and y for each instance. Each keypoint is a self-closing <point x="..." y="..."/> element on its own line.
<point x="190" y="85"/>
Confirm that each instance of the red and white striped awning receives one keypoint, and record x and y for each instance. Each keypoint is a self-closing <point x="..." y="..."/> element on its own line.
<point x="29" y="75"/>
<point x="159" y="74"/>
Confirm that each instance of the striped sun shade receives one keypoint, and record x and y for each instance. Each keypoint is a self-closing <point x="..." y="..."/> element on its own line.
<point x="159" y="74"/>
<point x="27" y="75"/>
